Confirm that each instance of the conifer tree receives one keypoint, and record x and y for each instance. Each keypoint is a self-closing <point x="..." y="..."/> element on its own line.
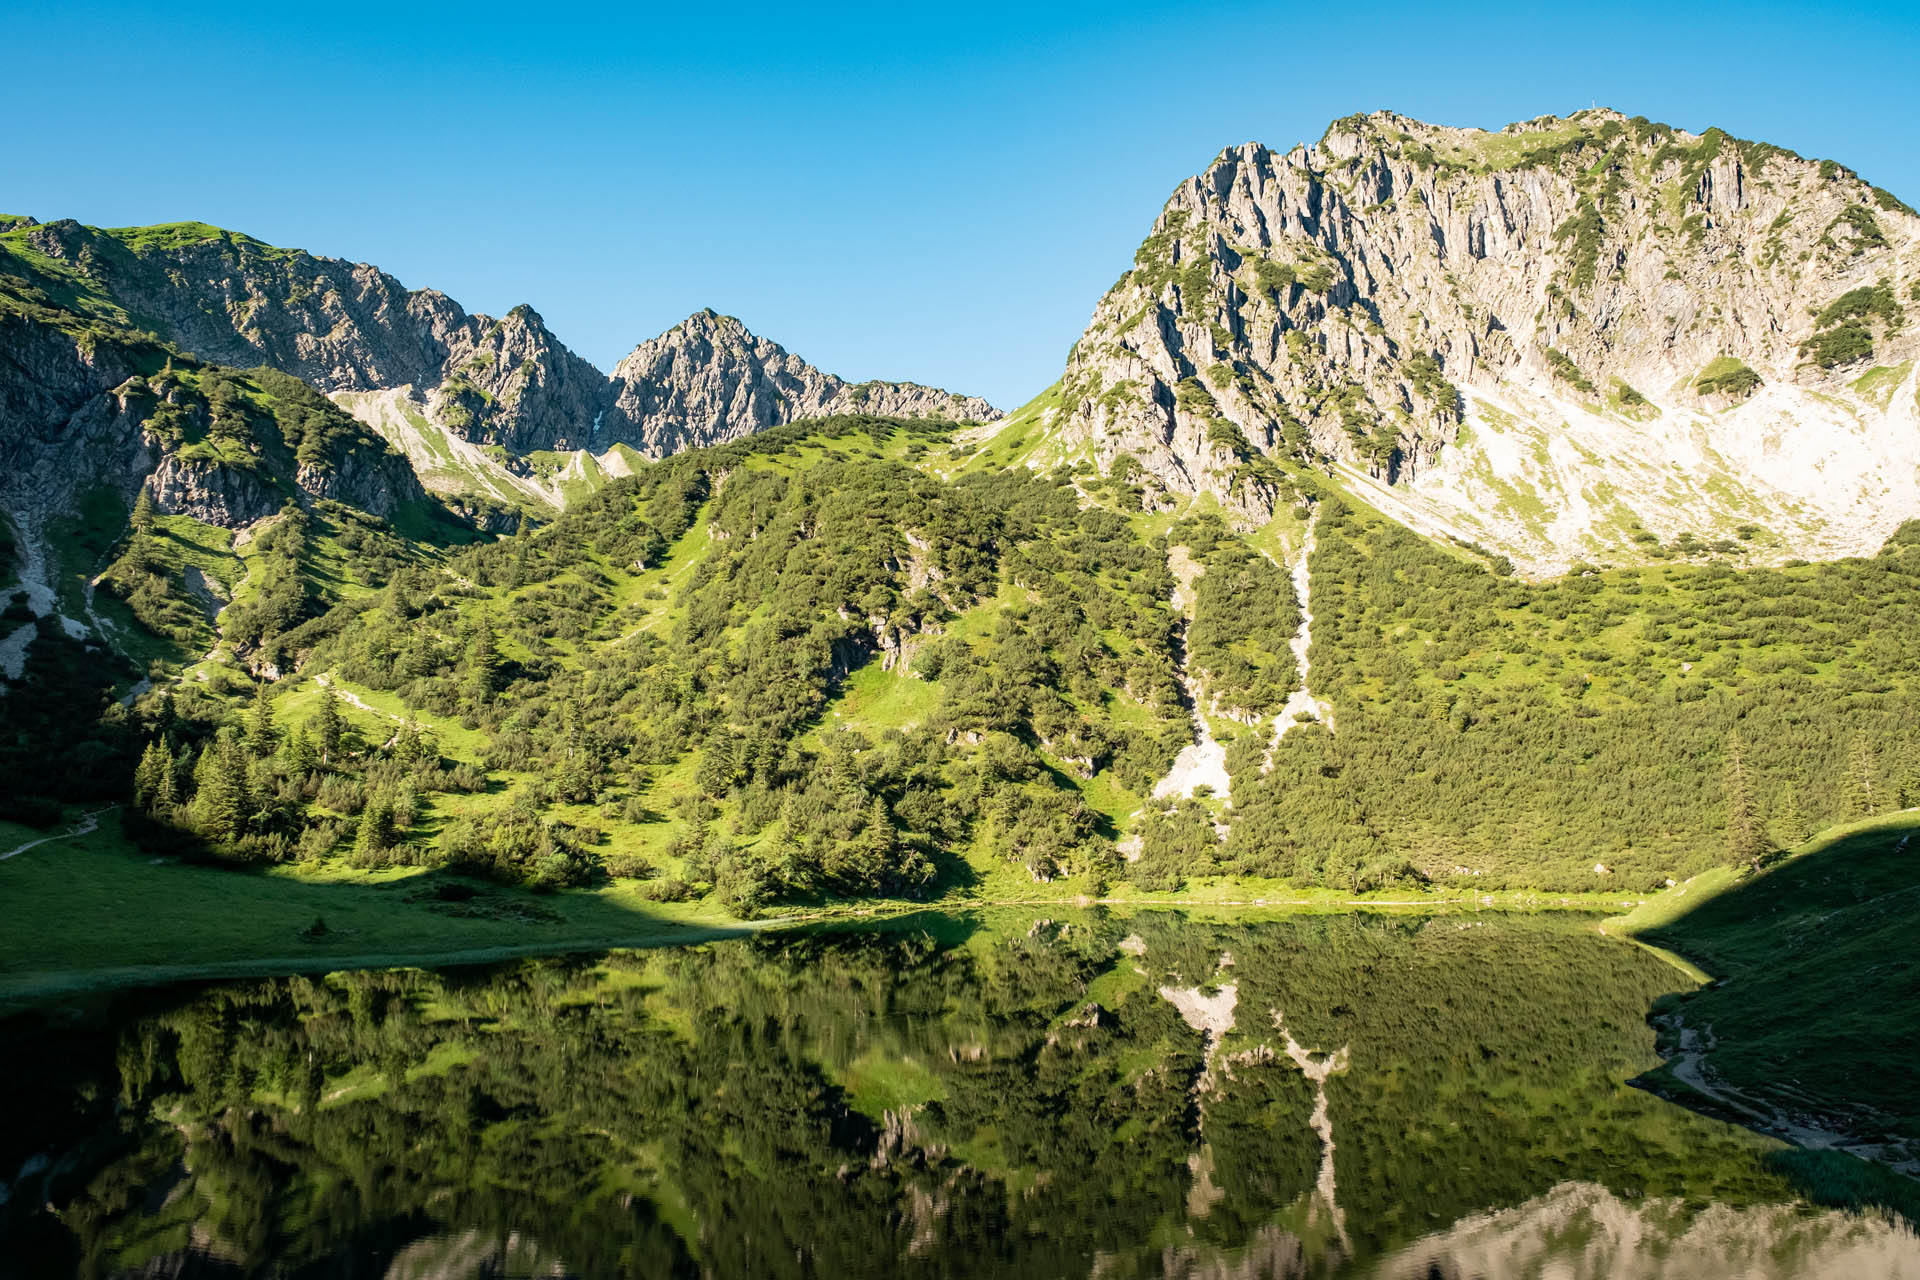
<point x="1790" y="825"/>
<point x="1909" y="788"/>
<point x="483" y="662"/>
<point x="262" y="738"/>
<point x="154" y="770"/>
<point x="220" y="802"/>
<point x="327" y="725"/>
<point x="376" y="832"/>
<point x="298" y="751"/>
<point x="144" y="513"/>
<point x="1745" y="842"/>
<point x="407" y="748"/>
<point x="876" y="846"/>
<point x="166" y="793"/>
<point x="1862" y="793"/>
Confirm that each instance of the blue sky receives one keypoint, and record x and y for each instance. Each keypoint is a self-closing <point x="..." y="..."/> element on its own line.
<point x="938" y="193"/>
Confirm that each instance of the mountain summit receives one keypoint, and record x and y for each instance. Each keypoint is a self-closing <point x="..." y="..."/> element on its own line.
<point x="709" y="380"/>
<point x="465" y="397"/>
<point x="1569" y="338"/>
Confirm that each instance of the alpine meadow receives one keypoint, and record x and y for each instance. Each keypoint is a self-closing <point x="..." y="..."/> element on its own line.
<point x="1404" y="760"/>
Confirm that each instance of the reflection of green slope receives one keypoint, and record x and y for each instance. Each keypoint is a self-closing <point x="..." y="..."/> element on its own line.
<point x="723" y="1103"/>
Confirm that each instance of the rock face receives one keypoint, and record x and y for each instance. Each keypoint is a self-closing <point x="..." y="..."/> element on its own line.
<point x="87" y="405"/>
<point x="1556" y="339"/>
<point x="708" y="380"/>
<point x="349" y="329"/>
<point x="339" y="326"/>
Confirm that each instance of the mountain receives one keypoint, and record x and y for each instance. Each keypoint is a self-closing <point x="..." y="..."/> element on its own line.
<point x="1572" y="339"/>
<point x="465" y="397"/>
<point x="229" y="299"/>
<point x="708" y="380"/>
<point x="1237" y="614"/>
<point x="1229" y="614"/>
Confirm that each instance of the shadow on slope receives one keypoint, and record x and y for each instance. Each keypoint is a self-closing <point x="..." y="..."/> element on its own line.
<point x="1807" y="1030"/>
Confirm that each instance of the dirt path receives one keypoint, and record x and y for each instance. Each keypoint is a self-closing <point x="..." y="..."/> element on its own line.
<point x="89" y="822"/>
<point x="352" y="699"/>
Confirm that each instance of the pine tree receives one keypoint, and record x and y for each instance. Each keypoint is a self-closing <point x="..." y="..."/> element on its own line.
<point x="299" y="754"/>
<point x="1909" y="788"/>
<point x="220" y="788"/>
<point x="376" y="833"/>
<point x="154" y="771"/>
<point x="1790" y="825"/>
<point x="262" y="738"/>
<point x="407" y="748"/>
<point x="1745" y="842"/>
<point x="876" y="845"/>
<point x="166" y="793"/>
<point x="144" y="513"/>
<point x="1863" y="796"/>
<point x="483" y="663"/>
<point x="327" y="725"/>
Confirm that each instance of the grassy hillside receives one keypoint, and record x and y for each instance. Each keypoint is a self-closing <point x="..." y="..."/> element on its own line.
<point x="1817" y="966"/>
<point x="849" y="659"/>
<point x="1805" y="1029"/>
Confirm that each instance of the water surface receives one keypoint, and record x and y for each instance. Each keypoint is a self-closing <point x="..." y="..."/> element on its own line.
<point x="1086" y="1094"/>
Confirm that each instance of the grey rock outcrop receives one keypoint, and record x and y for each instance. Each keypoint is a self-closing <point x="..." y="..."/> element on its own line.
<point x="1350" y="304"/>
<point x="349" y="328"/>
<point x="340" y="326"/>
<point x="709" y="380"/>
<point x="75" y="415"/>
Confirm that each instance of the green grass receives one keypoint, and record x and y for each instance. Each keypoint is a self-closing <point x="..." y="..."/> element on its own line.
<point x="1818" y="961"/>
<point x="878" y="1082"/>
<point x="1880" y="382"/>
<point x="873" y="701"/>
<point x="91" y="912"/>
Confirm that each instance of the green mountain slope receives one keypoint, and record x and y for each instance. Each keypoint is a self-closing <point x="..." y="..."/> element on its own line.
<point x="843" y="659"/>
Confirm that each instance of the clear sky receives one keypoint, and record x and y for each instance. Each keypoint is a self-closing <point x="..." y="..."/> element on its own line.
<point x="938" y="193"/>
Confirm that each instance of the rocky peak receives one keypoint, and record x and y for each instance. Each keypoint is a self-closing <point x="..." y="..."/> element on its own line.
<point x="709" y="379"/>
<point x="349" y="329"/>
<point x="1349" y="305"/>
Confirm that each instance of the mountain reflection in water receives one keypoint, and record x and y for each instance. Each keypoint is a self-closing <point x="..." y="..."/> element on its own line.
<point x="990" y="1094"/>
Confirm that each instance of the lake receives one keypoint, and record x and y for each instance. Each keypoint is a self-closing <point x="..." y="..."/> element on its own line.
<point x="1062" y="1093"/>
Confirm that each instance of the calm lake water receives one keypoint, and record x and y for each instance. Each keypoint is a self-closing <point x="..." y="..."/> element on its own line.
<point x="1082" y="1094"/>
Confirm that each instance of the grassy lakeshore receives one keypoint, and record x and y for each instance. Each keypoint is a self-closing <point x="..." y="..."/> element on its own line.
<point x="88" y="911"/>
<point x="1803" y="1026"/>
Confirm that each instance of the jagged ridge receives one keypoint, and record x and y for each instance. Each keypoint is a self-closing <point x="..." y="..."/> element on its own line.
<point x="349" y="328"/>
<point x="1641" y="331"/>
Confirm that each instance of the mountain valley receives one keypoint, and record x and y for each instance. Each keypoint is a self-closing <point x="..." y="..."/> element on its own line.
<point x="1427" y="515"/>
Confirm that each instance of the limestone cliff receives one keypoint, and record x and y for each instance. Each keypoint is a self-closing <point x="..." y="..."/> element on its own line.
<point x="708" y="380"/>
<point x="1564" y="339"/>
<point x="358" y="334"/>
<point x="339" y="326"/>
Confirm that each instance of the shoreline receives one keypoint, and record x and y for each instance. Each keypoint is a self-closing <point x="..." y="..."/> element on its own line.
<point x="23" y="990"/>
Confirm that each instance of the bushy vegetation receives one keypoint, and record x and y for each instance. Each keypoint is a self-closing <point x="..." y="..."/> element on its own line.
<point x="1844" y="328"/>
<point x="1496" y="732"/>
<point x="806" y="666"/>
<point x="1570" y="373"/>
<point x="1727" y="376"/>
<point x="1031" y="622"/>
